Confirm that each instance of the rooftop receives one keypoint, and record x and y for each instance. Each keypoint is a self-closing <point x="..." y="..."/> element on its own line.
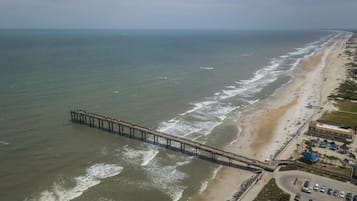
<point x="310" y="156"/>
<point x="322" y="125"/>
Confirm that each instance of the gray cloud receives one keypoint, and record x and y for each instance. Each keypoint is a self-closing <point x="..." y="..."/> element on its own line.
<point x="180" y="14"/>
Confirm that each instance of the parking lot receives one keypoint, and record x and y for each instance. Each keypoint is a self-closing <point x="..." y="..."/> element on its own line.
<point x="293" y="181"/>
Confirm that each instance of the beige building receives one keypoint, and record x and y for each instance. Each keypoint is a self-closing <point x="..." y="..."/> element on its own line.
<point x="331" y="130"/>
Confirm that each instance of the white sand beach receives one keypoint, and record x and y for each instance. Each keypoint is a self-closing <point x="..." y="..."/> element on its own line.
<point x="269" y="124"/>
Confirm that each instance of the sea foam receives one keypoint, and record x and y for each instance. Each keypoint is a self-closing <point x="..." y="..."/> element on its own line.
<point x="205" y="115"/>
<point x="94" y="175"/>
<point x="4" y="142"/>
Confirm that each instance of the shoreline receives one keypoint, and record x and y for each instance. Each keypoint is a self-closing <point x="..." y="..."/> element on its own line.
<point x="277" y="119"/>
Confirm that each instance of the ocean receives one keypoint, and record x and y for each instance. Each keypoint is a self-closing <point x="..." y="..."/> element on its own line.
<point x="187" y="83"/>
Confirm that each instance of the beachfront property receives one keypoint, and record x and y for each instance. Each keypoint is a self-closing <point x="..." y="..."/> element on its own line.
<point x="331" y="130"/>
<point x="311" y="157"/>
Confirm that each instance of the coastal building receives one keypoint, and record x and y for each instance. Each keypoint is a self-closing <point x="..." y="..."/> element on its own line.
<point x="331" y="130"/>
<point x="323" y="144"/>
<point x="311" y="157"/>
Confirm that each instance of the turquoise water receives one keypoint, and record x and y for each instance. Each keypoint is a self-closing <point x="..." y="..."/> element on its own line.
<point x="185" y="83"/>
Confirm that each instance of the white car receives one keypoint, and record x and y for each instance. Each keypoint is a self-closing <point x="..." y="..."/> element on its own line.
<point x="342" y="194"/>
<point x="316" y="187"/>
<point x="323" y="189"/>
<point x="305" y="190"/>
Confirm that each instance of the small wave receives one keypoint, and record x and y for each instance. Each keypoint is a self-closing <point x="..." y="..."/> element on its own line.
<point x="198" y="106"/>
<point x="204" y="116"/>
<point x="148" y="157"/>
<point x="166" y="178"/>
<point x="215" y="172"/>
<point x="176" y="196"/>
<point x="203" y="186"/>
<point x="246" y="55"/>
<point x="4" y="142"/>
<point x="183" y="163"/>
<point x="142" y="157"/>
<point x="206" y="68"/>
<point x="93" y="177"/>
<point x="202" y="120"/>
<point x="252" y="101"/>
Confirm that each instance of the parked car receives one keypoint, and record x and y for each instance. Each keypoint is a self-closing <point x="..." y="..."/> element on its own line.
<point x="306" y="184"/>
<point x="349" y="196"/>
<point x="323" y="189"/>
<point x="297" y="197"/>
<point x="335" y="193"/>
<point x="316" y="187"/>
<point x="330" y="191"/>
<point x="342" y="194"/>
<point x="305" y="190"/>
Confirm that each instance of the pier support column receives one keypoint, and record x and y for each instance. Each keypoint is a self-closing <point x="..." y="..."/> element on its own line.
<point x="213" y="157"/>
<point x="168" y="143"/>
<point x="155" y="139"/>
<point x="142" y="135"/>
<point x="131" y="132"/>
<point x="182" y="147"/>
<point x="108" y="122"/>
<point x="100" y="123"/>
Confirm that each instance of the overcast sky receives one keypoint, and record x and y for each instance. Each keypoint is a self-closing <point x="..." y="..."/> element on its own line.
<point x="179" y="14"/>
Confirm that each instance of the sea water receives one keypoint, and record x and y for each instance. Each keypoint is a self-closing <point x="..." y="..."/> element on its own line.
<point x="185" y="83"/>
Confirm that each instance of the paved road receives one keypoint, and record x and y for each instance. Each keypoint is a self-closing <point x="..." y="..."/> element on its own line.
<point x="286" y="180"/>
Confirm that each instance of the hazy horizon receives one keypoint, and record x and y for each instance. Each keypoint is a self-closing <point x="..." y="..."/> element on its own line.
<point x="178" y="15"/>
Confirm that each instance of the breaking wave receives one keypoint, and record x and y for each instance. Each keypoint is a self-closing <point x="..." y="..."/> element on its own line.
<point x="205" y="115"/>
<point x="94" y="175"/>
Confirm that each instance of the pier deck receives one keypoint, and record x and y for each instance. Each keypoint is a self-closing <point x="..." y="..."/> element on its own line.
<point x="133" y="130"/>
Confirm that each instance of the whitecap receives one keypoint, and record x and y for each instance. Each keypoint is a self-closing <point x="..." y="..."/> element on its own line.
<point x="204" y="116"/>
<point x="149" y="157"/>
<point x="207" y="68"/>
<point x="115" y="92"/>
<point x="203" y="186"/>
<point x="166" y="178"/>
<point x="252" y="101"/>
<point x="4" y="142"/>
<point x="176" y="196"/>
<point x="142" y="157"/>
<point x="215" y="172"/>
<point x="197" y="106"/>
<point x="94" y="175"/>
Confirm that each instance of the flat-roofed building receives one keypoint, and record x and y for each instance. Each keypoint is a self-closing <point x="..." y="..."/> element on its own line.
<point x="331" y="130"/>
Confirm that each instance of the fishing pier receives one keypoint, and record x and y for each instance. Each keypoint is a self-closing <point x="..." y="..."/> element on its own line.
<point x="172" y="142"/>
